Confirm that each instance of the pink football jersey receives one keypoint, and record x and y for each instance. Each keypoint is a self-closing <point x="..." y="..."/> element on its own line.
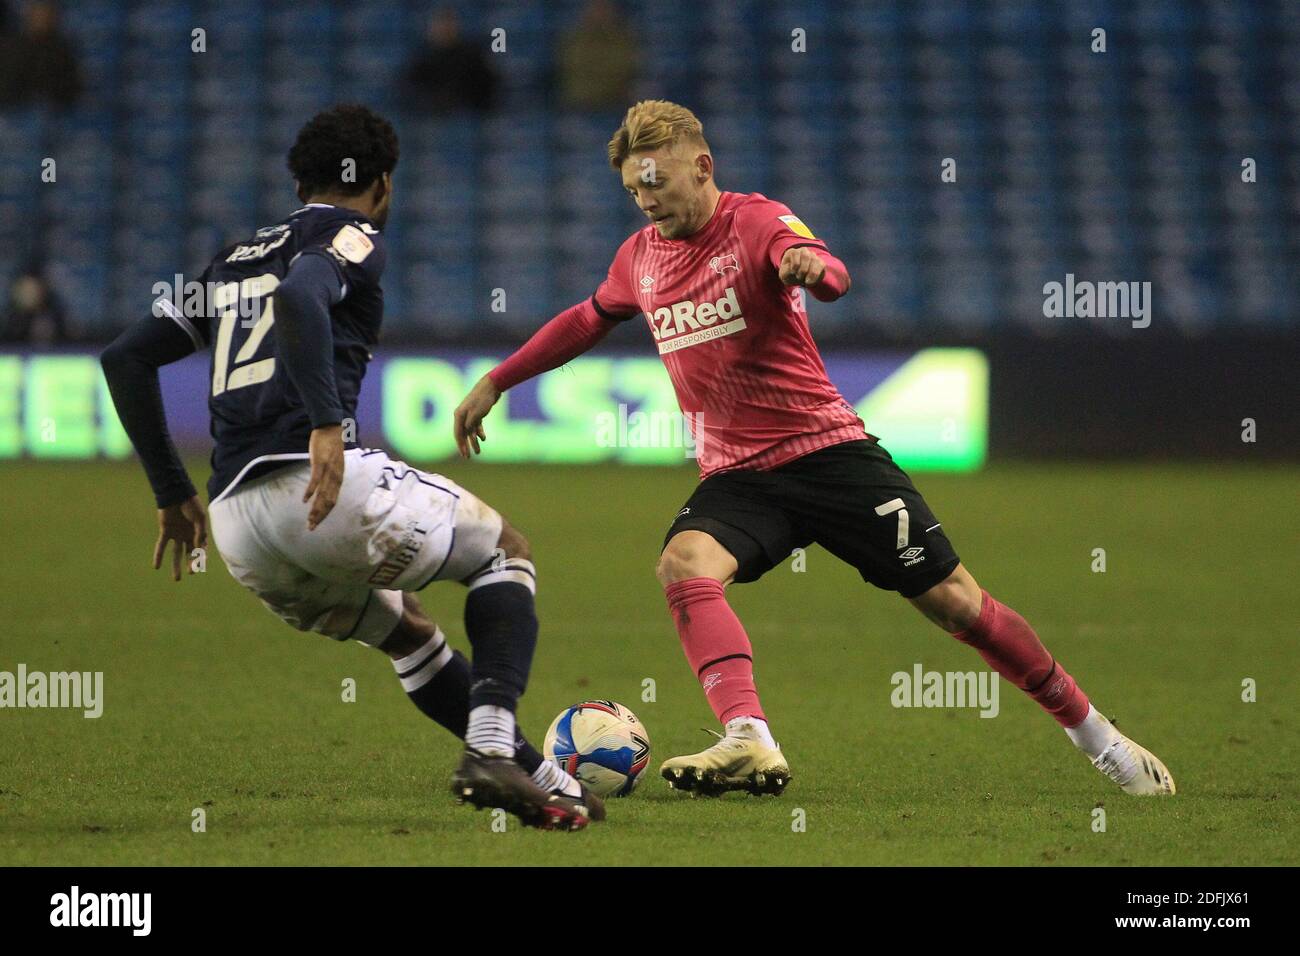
<point x="734" y="339"/>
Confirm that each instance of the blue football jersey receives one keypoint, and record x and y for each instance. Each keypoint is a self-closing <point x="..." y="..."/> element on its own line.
<point x="258" y="419"/>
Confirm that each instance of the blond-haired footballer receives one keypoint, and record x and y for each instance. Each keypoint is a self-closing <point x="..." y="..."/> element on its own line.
<point x="784" y="459"/>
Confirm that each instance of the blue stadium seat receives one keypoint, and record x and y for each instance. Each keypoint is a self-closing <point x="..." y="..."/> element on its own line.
<point x="1127" y="161"/>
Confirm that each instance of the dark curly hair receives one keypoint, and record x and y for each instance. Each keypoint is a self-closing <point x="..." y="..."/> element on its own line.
<point x="347" y="131"/>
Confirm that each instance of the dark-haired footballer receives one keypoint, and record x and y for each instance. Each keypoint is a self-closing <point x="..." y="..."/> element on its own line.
<point x="332" y="537"/>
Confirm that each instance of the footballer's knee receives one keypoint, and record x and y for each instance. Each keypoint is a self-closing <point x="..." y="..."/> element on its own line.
<point x="512" y="544"/>
<point x="954" y="603"/>
<point x="695" y="554"/>
<point x="412" y="632"/>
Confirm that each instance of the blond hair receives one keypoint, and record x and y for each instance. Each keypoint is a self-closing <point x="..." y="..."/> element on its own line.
<point x="651" y="124"/>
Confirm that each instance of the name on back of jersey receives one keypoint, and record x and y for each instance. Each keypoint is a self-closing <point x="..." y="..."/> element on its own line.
<point x="273" y="237"/>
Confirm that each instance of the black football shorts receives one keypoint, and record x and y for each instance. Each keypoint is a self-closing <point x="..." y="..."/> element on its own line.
<point x="850" y="498"/>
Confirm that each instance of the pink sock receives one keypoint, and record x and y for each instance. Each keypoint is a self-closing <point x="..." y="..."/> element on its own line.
<point x="716" y="647"/>
<point x="1009" y="645"/>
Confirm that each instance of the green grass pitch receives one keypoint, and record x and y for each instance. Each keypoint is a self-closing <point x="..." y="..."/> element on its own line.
<point x="211" y="702"/>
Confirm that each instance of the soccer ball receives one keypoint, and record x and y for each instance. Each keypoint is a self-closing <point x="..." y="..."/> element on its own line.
<point x="602" y="744"/>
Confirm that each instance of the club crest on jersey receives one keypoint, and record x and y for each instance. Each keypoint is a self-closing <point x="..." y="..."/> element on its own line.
<point x="686" y="323"/>
<point x="721" y="264"/>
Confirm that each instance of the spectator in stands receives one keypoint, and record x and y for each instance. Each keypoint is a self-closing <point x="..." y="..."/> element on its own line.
<point x="38" y="63"/>
<point x="450" y="73"/>
<point x="34" y="315"/>
<point x="598" y="61"/>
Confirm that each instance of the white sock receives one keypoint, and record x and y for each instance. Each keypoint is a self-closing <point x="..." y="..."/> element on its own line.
<point x="1094" y="735"/>
<point x="418" y="668"/>
<point x="750" y="728"/>
<point x="491" y="731"/>
<point x="550" y="777"/>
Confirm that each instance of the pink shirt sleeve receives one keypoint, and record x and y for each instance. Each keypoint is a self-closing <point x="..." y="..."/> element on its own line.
<point x="835" y="282"/>
<point x="616" y="297"/>
<point x="770" y="228"/>
<point x="564" y="338"/>
<point x="576" y="329"/>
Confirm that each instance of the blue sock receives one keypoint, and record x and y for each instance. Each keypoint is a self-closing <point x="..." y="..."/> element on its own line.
<point x="437" y="681"/>
<point x="501" y="621"/>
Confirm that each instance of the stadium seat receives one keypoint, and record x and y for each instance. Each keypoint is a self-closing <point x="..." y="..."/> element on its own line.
<point x="1128" y="162"/>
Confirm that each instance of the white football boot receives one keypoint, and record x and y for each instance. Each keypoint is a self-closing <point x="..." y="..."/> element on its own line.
<point x="1137" y="770"/>
<point x="738" y="761"/>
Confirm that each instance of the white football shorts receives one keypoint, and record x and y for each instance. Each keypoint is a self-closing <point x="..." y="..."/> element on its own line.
<point x="394" y="528"/>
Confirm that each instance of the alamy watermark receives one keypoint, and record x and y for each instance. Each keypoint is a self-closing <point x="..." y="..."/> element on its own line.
<point x="79" y="690"/>
<point x="922" y="688"/>
<point x="130" y="910"/>
<point x="1083" y="299"/>
<point x="645" y="429"/>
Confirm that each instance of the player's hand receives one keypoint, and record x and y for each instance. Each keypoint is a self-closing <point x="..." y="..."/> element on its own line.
<point x="801" y="266"/>
<point x="326" y="451"/>
<point x="468" y="419"/>
<point x="185" y="525"/>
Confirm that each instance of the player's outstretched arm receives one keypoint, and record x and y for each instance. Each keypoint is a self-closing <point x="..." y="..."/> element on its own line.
<point x="564" y="338"/>
<point x="131" y="366"/>
<point x="305" y="343"/>
<point x="825" y="276"/>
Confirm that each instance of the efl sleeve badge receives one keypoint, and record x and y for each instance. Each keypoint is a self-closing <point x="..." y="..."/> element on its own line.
<point x="352" y="244"/>
<point x="795" y="225"/>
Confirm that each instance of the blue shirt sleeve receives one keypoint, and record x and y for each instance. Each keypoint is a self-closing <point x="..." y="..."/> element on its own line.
<point x="305" y="336"/>
<point x="131" y="366"/>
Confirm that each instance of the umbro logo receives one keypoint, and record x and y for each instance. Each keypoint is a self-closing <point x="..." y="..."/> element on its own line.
<point x="647" y="282"/>
<point x="711" y="681"/>
<point x="721" y="264"/>
<point x="912" y="556"/>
